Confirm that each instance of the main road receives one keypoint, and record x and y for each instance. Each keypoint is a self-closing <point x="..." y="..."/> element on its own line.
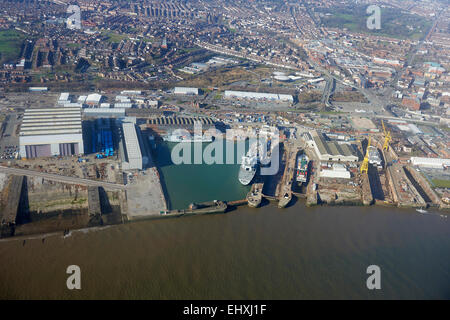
<point x="63" y="179"/>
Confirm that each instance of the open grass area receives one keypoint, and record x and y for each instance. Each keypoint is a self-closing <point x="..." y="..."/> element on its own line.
<point x="394" y="22"/>
<point x="217" y="78"/>
<point x="114" y="37"/>
<point x="441" y="183"/>
<point x="10" y="45"/>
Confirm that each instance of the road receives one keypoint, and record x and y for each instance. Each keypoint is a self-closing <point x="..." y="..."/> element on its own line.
<point x="63" y="179"/>
<point x="328" y="91"/>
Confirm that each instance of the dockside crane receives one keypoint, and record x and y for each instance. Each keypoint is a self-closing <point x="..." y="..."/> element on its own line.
<point x="365" y="163"/>
<point x="387" y="137"/>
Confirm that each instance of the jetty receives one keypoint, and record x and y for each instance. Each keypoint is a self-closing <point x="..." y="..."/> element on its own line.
<point x="9" y="215"/>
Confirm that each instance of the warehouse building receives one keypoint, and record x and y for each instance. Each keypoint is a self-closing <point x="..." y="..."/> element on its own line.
<point x="104" y="112"/>
<point x="64" y="98"/>
<point x="438" y="163"/>
<point x="51" y="132"/>
<point x="38" y="89"/>
<point x="259" y="96"/>
<point x="186" y="90"/>
<point x="337" y="171"/>
<point x="94" y="99"/>
<point x="332" y="151"/>
<point x="130" y="149"/>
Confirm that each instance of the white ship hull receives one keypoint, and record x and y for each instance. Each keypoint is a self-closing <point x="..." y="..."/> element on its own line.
<point x="175" y="138"/>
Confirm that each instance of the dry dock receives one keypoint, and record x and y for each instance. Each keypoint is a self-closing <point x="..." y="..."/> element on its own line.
<point x="285" y="187"/>
<point x="9" y="214"/>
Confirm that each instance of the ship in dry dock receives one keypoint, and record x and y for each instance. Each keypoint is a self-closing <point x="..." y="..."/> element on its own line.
<point x="302" y="169"/>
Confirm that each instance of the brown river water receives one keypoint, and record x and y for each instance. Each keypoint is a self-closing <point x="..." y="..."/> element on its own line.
<point x="266" y="253"/>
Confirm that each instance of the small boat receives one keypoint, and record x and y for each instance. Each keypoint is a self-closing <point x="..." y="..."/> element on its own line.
<point x="421" y="210"/>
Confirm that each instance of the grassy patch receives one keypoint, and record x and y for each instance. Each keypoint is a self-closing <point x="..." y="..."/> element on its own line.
<point x="441" y="183"/>
<point x="73" y="45"/>
<point x="394" y="22"/>
<point x="114" y="37"/>
<point x="10" y="45"/>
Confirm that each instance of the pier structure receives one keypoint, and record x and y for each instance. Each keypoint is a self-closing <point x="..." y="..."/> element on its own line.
<point x="94" y="206"/>
<point x="9" y="215"/>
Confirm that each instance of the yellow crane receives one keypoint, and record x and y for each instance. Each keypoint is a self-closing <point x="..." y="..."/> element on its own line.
<point x="387" y="137"/>
<point x="365" y="163"/>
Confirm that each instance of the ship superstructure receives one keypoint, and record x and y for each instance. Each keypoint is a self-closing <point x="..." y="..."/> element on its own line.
<point x="302" y="168"/>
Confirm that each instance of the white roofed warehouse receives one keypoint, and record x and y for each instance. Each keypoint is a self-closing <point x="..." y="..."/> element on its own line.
<point x="259" y="96"/>
<point x="186" y="90"/>
<point x="430" y="162"/>
<point x="94" y="99"/>
<point x="331" y="150"/>
<point x="130" y="148"/>
<point x="51" y="132"/>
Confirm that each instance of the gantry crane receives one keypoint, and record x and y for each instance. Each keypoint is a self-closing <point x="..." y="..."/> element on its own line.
<point x="387" y="137"/>
<point x="365" y="163"/>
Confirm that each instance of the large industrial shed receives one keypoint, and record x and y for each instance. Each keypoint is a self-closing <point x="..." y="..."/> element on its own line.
<point x="259" y="96"/>
<point x="51" y="132"/>
<point x="186" y="90"/>
<point x="130" y="149"/>
<point x="332" y="151"/>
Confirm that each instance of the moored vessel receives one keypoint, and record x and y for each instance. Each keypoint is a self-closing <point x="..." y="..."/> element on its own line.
<point x="302" y="168"/>
<point x="173" y="137"/>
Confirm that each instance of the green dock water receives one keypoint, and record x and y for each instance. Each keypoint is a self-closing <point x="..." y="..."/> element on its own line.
<point x="187" y="183"/>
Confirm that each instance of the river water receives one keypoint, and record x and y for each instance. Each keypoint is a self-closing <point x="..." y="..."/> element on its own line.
<point x="265" y="253"/>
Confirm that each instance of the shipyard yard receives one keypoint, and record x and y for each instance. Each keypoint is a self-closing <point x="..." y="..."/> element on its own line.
<point x="112" y="171"/>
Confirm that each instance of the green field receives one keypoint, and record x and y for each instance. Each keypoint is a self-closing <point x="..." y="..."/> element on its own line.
<point x="10" y="45"/>
<point x="441" y="183"/>
<point x="114" y="37"/>
<point x="394" y="22"/>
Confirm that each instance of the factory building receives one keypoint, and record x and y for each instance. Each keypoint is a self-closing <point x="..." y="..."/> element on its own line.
<point x="38" y="89"/>
<point x="130" y="149"/>
<point x="51" y="132"/>
<point x="163" y="124"/>
<point x="186" y="90"/>
<point x="259" y="96"/>
<point x="438" y="163"/>
<point x="337" y="171"/>
<point x="104" y="112"/>
<point x="131" y="92"/>
<point x="125" y="105"/>
<point x="331" y="150"/>
<point x="94" y="99"/>
<point x="64" y="98"/>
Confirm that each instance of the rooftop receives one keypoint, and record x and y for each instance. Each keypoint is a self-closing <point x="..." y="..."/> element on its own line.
<point x="51" y="121"/>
